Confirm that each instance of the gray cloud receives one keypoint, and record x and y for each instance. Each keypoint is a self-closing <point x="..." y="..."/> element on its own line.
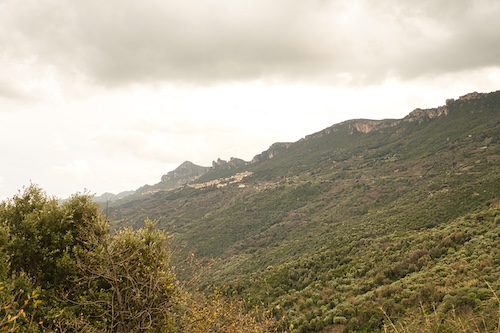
<point x="121" y="42"/>
<point x="458" y="35"/>
<point x="7" y="91"/>
<point x="112" y="94"/>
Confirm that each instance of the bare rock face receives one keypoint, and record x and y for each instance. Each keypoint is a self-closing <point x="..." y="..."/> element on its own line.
<point x="472" y="95"/>
<point x="275" y="149"/>
<point x="356" y="126"/>
<point x="367" y="126"/>
<point x="227" y="165"/>
<point x="420" y="115"/>
<point x="184" y="173"/>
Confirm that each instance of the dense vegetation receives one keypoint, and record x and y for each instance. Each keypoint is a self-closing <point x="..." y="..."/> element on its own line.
<point x="396" y="228"/>
<point x="391" y="229"/>
<point x="62" y="271"/>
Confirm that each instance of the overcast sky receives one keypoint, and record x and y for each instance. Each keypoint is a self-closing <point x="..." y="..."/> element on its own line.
<point x="110" y="95"/>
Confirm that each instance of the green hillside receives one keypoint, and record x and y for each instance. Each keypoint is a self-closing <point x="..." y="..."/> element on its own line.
<point x="361" y="225"/>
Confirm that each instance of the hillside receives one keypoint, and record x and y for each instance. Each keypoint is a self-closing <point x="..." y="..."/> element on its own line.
<point x="360" y="219"/>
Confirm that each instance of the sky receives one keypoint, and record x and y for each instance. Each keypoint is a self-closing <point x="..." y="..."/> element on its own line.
<point x="106" y="96"/>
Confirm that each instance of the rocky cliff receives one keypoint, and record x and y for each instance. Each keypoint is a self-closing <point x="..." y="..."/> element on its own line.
<point x="183" y="174"/>
<point x="274" y="149"/>
<point x="233" y="163"/>
<point x="367" y="125"/>
<point x="420" y="115"/>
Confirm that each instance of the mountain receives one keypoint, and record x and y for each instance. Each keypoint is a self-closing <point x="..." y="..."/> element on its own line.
<point x="359" y="223"/>
<point x="275" y="149"/>
<point x="181" y="176"/>
<point x="185" y="173"/>
<point x="188" y="173"/>
<point x="108" y="197"/>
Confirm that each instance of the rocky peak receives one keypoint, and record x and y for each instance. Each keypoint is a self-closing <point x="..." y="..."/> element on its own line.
<point x="184" y="173"/>
<point x="227" y="165"/>
<point x="274" y="149"/>
<point x="472" y="95"/>
<point x="421" y="115"/>
<point x="467" y="97"/>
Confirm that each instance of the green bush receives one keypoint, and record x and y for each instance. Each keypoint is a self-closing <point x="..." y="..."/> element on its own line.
<point x="61" y="270"/>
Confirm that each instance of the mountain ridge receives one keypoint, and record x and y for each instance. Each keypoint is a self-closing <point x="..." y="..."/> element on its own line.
<point x="188" y="172"/>
<point x="350" y="220"/>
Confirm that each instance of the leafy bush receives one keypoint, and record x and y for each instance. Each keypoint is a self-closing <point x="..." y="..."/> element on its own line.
<point x="61" y="270"/>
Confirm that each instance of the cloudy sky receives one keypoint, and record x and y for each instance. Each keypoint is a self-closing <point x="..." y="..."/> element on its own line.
<point x="110" y="95"/>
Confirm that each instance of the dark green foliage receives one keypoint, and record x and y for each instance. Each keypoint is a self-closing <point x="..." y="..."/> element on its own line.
<point x="131" y="286"/>
<point x="44" y="238"/>
<point x="62" y="269"/>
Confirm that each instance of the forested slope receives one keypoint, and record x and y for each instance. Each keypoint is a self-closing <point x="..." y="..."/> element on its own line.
<point x="360" y="219"/>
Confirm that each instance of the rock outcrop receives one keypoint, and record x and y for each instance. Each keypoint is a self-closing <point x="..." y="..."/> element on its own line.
<point x="274" y="149"/>
<point x="420" y="115"/>
<point x="183" y="174"/>
<point x="472" y="95"/>
<point x="228" y="165"/>
<point x="367" y="126"/>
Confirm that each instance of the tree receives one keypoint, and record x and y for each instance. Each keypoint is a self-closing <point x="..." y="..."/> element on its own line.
<point x="132" y="282"/>
<point x="44" y="237"/>
<point x="112" y="282"/>
<point x="61" y="270"/>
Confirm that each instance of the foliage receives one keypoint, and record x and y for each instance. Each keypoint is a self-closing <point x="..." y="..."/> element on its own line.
<point x="61" y="270"/>
<point x="393" y="230"/>
<point x="218" y="314"/>
<point x="131" y="281"/>
<point x="432" y="320"/>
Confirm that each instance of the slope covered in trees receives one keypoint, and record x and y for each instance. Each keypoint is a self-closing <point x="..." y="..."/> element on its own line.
<point x="353" y="226"/>
<point x="366" y="226"/>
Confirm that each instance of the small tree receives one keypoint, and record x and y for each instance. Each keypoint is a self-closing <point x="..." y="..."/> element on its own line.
<point x="62" y="271"/>
<point x="136" y="290"/>
<point x="44" y="237"/>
